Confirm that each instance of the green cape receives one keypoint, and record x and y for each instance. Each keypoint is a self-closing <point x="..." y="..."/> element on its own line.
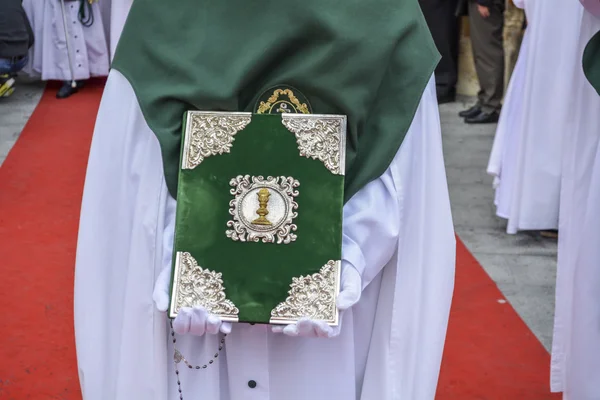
<point x="369" y="60"/>
<point x="591" y="61"/>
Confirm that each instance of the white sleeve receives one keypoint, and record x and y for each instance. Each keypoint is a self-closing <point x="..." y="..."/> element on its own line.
<point x="413" y="300"/>
<point x="371" y="227"/>
<point x="169" y="232"/>
<point x="519" y="3"/>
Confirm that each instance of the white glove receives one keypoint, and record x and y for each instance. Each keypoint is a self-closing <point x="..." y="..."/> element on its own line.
<point x="195" y="321"/>
<point x="351" y="289"/>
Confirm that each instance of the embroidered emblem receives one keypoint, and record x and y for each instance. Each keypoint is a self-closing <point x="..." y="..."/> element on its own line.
<point x="263" y="209"/>
<point x="282" y="99"/>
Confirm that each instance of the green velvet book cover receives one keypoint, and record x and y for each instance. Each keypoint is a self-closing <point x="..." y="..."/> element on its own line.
<point x="258" y="233"/>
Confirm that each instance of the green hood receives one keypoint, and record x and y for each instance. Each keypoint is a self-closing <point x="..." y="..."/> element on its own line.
<point x="591" y="61"/>
<point x="369" y="60"/>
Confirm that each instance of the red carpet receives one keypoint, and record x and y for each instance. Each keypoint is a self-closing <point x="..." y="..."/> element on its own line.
<point x="41" y="183"/>
<point x="490" y="353"/>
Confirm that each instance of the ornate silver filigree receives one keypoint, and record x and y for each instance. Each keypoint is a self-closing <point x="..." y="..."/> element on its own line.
<point x="210" y="133"/>
<point x="195" y="286"/>
<point x="311" y="296"/>
<point x="320" y="137"/>
<point x="245" y="208"/>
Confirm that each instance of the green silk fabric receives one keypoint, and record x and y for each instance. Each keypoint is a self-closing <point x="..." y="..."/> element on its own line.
<point x="256" y="276"/>
<point x="591" y="61"/>
<point x="368" y="60"/>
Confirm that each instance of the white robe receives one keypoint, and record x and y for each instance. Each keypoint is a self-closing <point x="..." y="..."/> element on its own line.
<point x="526" y="156"/>
<point x="119" y="10"/>
<point x="105" y="6"/>
<point x="48" y="56"/>
<point x="576" y="342"/>
<point x="398" y="234"/>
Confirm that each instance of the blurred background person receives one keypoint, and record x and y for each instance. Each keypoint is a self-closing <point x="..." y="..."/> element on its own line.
<point x="526" y="156"/>
<point x="71" y="53"/>
<point x="443" y="23"/>
<point x="16" y="37"/>
<point x="575" y="367"/>
<point x="486" y="19"/>
<point x="119" y="9"/>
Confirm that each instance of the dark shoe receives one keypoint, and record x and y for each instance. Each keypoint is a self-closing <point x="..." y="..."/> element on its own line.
<point x="67" y="90"/>
<point x="471" y="112"/>
<point x="484" y="118"/>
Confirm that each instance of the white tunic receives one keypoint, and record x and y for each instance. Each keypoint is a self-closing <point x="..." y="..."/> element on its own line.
<point x="398" y="234"/>
<point x="48" y="56"/>
<point x="526" y="155"/>
<point x="576" y="341"/>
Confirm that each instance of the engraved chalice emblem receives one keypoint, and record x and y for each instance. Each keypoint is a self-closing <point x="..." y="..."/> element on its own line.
<point x="255" y="196"/>
<point x="263" y="200"/>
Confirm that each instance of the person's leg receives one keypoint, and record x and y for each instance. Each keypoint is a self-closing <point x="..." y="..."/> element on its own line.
<point x="5" y="66"/>
<point x="18" y="64"/>
<point x="488" y="52"/>
<point x="443" y="24"/>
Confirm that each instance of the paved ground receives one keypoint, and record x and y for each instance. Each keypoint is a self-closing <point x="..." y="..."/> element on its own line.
<point x="523" y="265"/>
<point x="14" y="112"/>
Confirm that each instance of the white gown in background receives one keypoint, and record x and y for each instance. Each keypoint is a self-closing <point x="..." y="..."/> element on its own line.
<point x="576" y="342"/>
<point x="537" y="115"/>
<point x="48" y="56"/>
<point x="119" y="9"/>
<point x="397" y="232"/>
<point x="105" y="6"/>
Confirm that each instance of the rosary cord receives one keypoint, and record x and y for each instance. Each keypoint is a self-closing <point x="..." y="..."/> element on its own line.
<point x="178" y="358"/>
<point x="86" y="14"/>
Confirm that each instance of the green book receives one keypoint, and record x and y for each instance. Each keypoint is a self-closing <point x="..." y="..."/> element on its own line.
<point x="258" y="235"/>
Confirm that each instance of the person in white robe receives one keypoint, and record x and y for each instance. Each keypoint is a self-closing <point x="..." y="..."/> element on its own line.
<point x="398" y="248"/>
<point x="398" y="245"/>
<point x="575" y="368"/>
<point x="114" y="14"/>
<point x="85" y="40"/>
<point x="104" y="7"/>
<point x="536" y="119"/>
<point x="119" y="9"/>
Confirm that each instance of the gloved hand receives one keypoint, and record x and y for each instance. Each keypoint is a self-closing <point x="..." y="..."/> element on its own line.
<point x="351" y="289"/>
<point x="197" y="320"/>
